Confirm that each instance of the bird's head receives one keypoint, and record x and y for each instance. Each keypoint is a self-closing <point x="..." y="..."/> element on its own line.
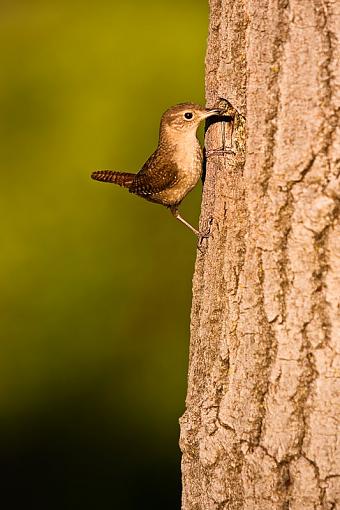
<point x="186" y="117"/>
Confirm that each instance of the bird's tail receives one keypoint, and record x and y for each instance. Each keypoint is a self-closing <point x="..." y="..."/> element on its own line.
<point x="121" y="178"/>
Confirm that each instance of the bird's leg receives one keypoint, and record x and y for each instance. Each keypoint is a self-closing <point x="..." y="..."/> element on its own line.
<point x="174" y="211"/>
<point x="200" y="235"/>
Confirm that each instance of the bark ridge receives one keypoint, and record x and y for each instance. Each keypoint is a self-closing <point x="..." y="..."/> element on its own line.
<point x="261" y="426"/>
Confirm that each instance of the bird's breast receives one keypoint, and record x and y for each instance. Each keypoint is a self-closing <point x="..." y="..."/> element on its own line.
<point x="188" y="161"/>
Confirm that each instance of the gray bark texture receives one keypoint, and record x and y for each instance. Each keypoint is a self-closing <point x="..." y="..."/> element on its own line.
<point x="261" y="426"/>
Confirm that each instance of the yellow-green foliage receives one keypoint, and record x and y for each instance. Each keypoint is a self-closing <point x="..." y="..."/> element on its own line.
<point x="95" y="283"/>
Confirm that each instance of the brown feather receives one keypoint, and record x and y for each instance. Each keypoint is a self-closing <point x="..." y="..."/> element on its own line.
<point x="154" y="182"/>
<point x="124" y="179"/>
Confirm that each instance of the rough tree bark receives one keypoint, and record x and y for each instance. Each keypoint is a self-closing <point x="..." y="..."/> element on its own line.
<point x="260" y="430"/>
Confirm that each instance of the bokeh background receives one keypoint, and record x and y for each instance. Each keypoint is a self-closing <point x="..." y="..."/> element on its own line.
<point x="95" y="283"/>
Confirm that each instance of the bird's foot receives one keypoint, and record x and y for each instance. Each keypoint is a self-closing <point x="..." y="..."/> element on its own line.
<point x="205" y="234"/>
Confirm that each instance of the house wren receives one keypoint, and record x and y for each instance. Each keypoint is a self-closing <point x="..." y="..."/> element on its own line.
<point x="174" y="169"/>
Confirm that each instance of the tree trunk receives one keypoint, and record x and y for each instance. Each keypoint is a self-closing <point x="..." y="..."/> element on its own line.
<point x="261" y="426"/>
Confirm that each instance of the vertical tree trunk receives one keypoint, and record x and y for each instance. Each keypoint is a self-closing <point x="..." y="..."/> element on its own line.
<point x="261" y="426"/>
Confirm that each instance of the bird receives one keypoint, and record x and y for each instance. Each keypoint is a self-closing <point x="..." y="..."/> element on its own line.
<point x="175" y="167"/>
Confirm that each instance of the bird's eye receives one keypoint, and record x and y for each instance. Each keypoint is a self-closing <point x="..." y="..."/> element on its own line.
<point x="188" y="115"/>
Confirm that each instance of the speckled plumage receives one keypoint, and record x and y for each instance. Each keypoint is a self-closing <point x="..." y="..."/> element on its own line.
<point x="174" y="169"/>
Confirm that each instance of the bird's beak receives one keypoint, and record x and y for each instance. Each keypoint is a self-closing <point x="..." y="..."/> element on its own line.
<point x="209" y="112"/>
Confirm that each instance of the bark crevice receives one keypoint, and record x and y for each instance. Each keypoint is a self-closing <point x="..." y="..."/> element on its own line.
<point x="262" y="411"/>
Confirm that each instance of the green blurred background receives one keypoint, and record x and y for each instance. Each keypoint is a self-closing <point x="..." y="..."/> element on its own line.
<point x="96" y="283"/>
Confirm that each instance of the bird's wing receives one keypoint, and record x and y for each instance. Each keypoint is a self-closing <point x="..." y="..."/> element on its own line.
<point x="154" y="177"/>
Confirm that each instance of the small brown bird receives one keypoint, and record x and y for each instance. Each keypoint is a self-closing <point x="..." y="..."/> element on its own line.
<point x="174" y="169"/>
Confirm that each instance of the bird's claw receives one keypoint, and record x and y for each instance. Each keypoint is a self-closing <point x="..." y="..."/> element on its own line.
<point x="204" y="235"/>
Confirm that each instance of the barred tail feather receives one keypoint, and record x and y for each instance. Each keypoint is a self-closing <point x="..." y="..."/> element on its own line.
<point x="124" y="179"/>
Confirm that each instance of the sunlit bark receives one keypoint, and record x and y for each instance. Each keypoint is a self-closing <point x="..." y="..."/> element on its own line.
<point x="261" y="426"/>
